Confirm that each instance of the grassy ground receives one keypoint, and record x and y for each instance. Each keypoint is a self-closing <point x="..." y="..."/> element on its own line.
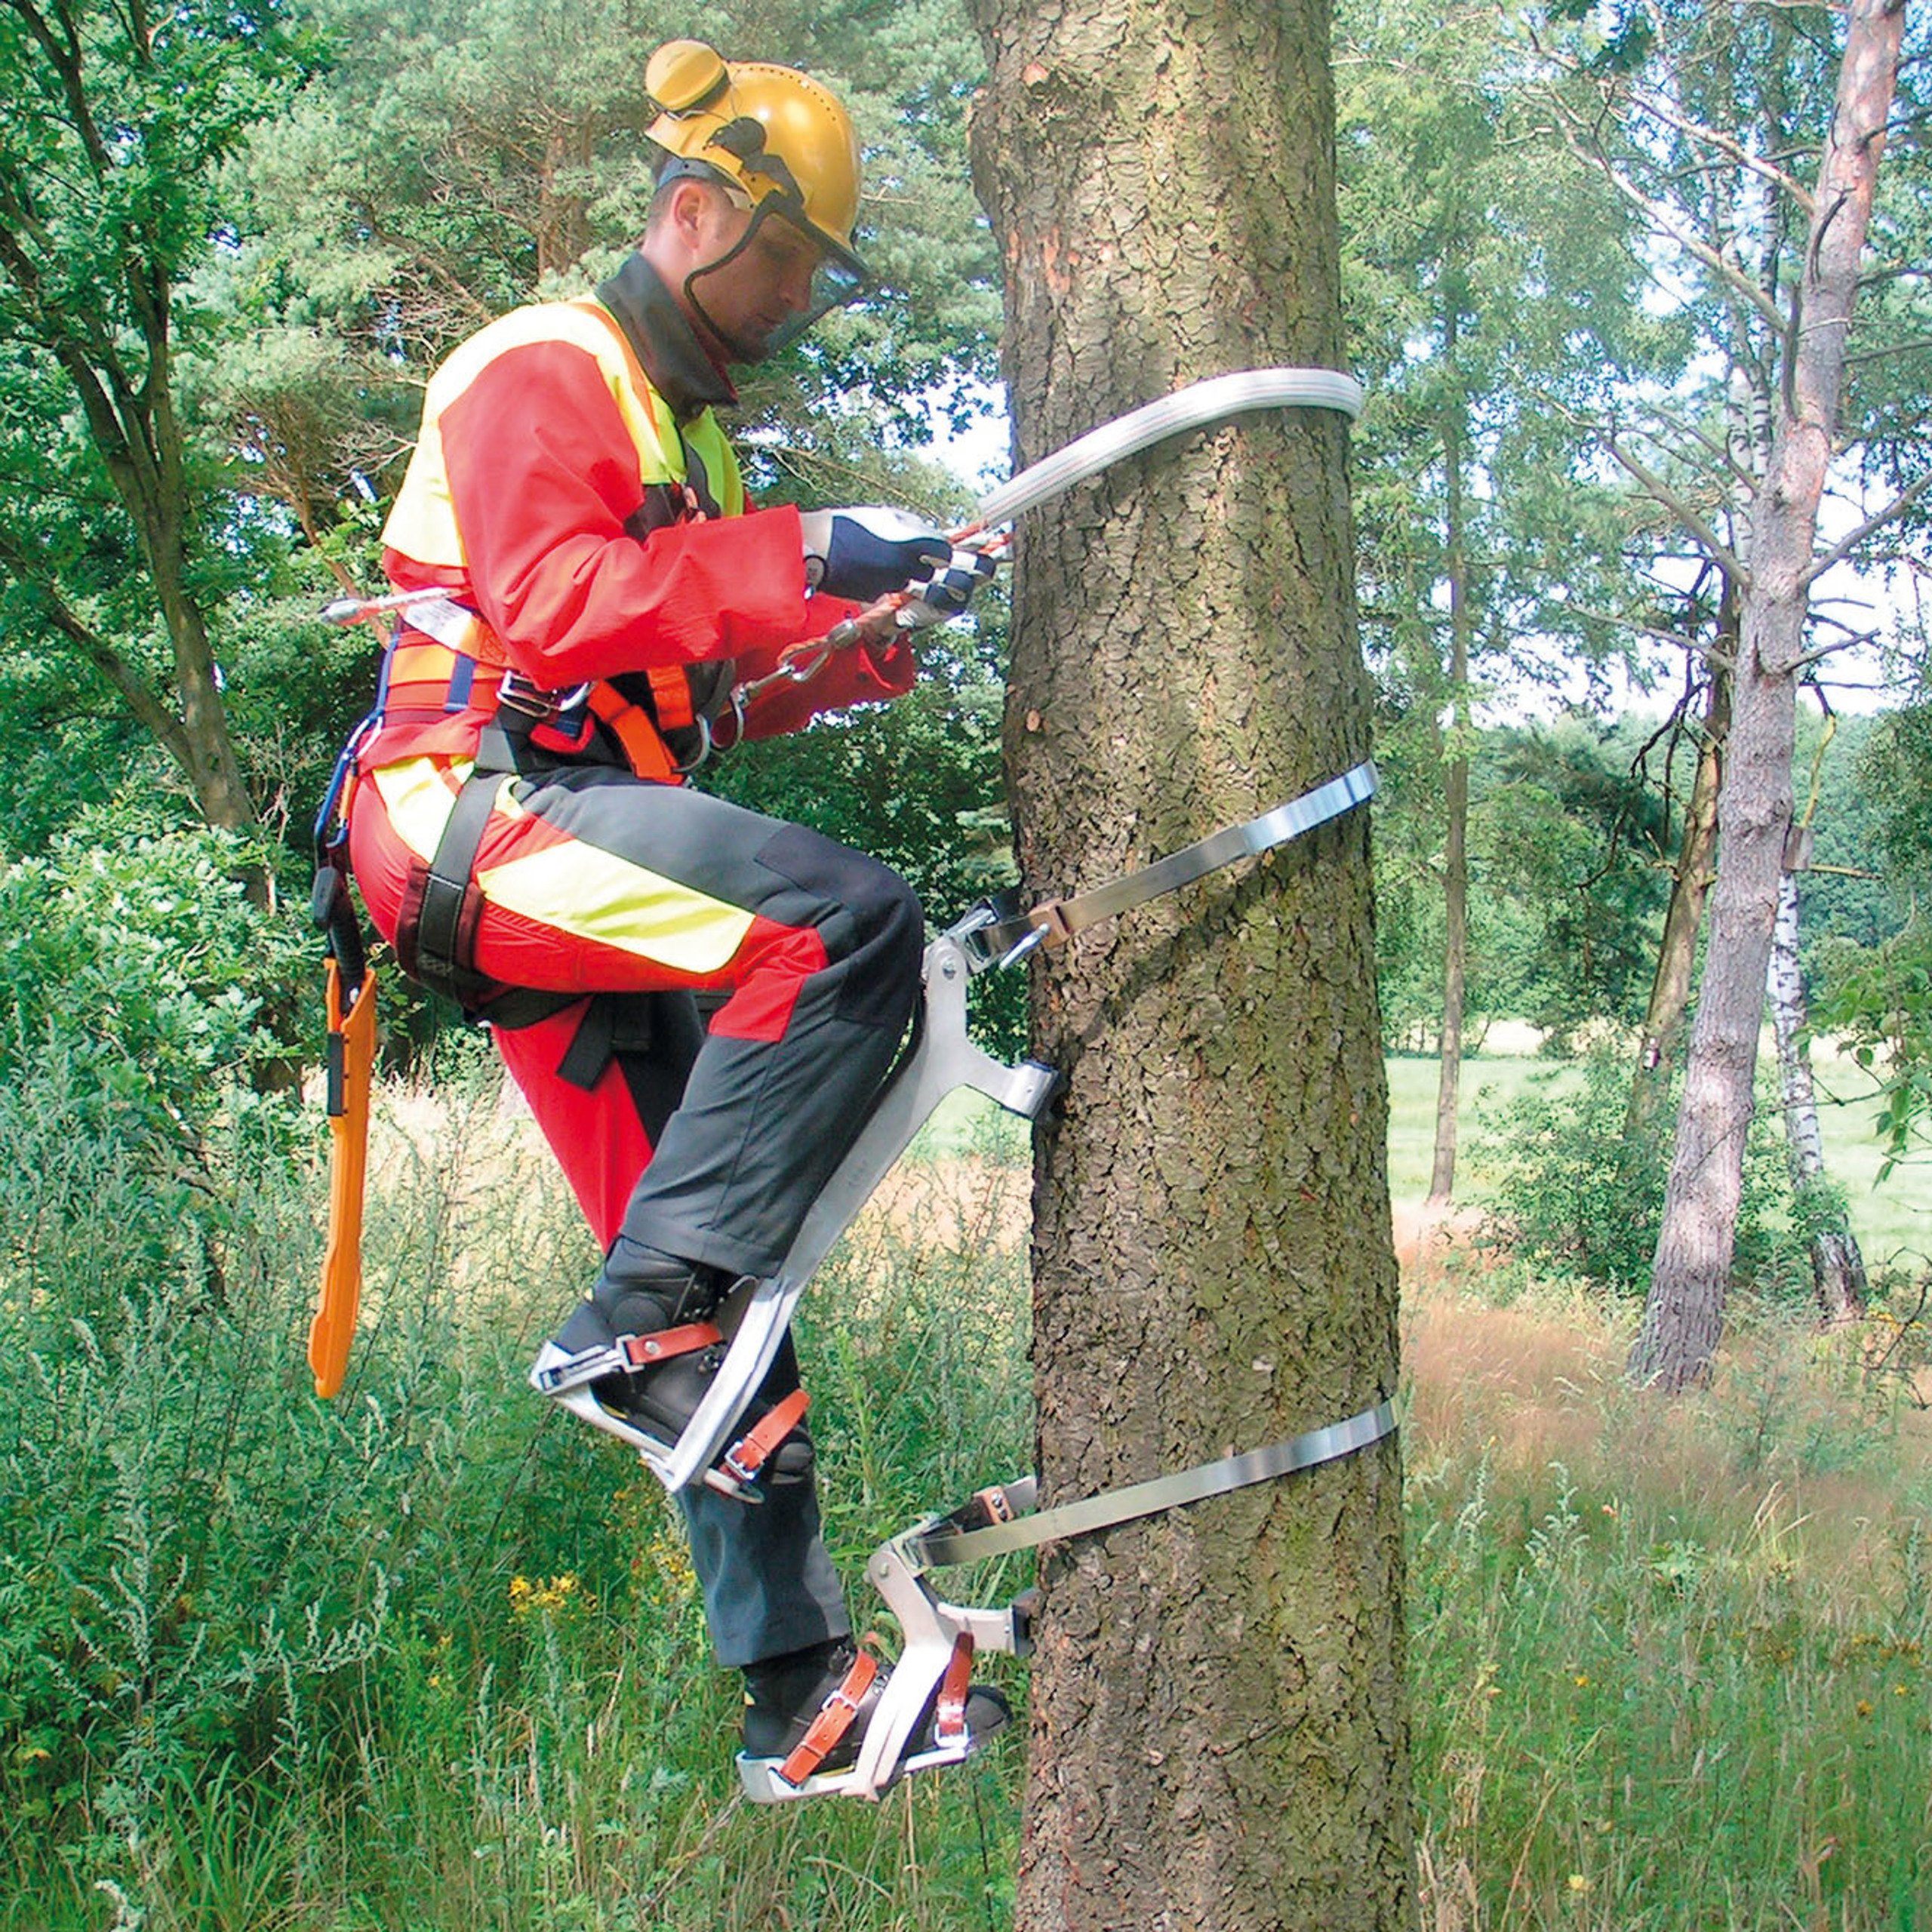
<point x="1669" y="1664"/>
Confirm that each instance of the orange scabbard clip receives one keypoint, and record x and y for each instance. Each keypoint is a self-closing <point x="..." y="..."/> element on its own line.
<point x="352" y="1056"/>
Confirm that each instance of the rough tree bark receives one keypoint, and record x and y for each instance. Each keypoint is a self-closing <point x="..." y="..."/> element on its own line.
<point x="1838" y="1268"/>
<point x="1218" y="1736"/>
<point x="1683" y="1315"/>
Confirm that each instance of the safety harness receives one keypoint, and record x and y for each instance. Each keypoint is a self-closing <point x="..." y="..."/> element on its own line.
<point x="442" y="658"/>
<point x="460" y="668"/>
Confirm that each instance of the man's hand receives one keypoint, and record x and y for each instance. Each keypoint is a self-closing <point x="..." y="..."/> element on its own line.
<point x="863" y="554"/>
<point x="943" y="587"/>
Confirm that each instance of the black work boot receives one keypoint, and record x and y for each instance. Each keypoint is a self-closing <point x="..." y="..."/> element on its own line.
<point x="783" y="1694"/>
<point x="659" y="1292"/>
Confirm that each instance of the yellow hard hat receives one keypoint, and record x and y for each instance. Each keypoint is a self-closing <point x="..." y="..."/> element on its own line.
<point x="771" y="132"/>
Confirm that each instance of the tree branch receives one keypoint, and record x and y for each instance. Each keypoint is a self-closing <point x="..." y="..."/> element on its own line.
<point x="1852" y="539"/>
<point x="1712" y="545"/>
<point x="65" y="61"/>
<point x="139" y="695"/>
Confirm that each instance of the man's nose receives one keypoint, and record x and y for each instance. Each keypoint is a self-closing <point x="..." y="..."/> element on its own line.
<point x="798" y="287"/>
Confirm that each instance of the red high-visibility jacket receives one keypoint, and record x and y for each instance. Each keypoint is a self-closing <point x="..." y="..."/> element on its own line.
<point x="557" y="495"/>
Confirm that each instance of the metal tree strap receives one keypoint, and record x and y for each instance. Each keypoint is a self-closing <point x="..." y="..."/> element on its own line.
<point x="982" y="1528"/>
<point x="1005" y="934"/>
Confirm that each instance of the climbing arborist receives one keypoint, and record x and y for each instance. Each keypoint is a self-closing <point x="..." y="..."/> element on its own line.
<point x="520" y="828"/>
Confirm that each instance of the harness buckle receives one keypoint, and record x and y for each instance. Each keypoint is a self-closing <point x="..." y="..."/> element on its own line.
<point x="516" y="693"/>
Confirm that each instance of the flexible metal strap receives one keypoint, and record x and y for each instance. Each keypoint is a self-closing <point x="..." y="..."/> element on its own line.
<point x="937" y="1548"/>
<point x="1192" y="408"/>
<point x="1053" y="921"/>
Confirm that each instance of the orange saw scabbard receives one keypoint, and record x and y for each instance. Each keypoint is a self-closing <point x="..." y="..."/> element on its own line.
<point x="351" y="1051"/>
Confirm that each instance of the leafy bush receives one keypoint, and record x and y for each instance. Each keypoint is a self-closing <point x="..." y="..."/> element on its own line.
<point x="1576" y="1201"/>
<point x="1879" y="999"/>
<point x="143" y="950"/>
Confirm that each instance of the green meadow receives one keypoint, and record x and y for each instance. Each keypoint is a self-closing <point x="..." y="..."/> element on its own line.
<point x="429" y="1657"/>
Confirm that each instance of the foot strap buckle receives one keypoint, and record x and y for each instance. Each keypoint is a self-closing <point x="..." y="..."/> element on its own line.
<point x="949" y="1729"/>
<point x="835" y="1718"/>
<point x="626" y="1355"/>
<point x="743" y="1461"/>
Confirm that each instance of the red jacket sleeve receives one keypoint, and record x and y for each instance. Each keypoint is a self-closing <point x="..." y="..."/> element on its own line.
<point x="543" y="475"/>
<point x="861" y="675"/>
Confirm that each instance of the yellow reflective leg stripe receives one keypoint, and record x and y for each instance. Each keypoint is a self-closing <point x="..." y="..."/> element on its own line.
<point x="419" y="794"/>
<point x="571" y="887"/>
<point x="594" y="895"/>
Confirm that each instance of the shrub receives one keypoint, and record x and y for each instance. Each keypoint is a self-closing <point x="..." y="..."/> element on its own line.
<point x="1577" y="1202"/>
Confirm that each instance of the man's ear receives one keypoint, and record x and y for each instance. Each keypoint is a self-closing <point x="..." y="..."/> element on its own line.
<point x="690" y="205"/>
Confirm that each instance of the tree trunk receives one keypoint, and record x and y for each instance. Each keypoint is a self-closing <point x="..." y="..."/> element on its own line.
<point x="1838" y="1268"/>
<point x="1218" y="1735"/>
<point x="1684" y="917"/>
<point x="1455" y="970"/>
<point x="1455" y="778"/>
<point x="1683" y="1315"/>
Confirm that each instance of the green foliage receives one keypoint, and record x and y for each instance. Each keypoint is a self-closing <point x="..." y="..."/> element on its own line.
<point x="431" y="1654"/>
<point x="118" y="538"/>
<point x="137" y="973"/>
<point x="1880" y="999"/>
<point x="1877" y="995"/>
<point x="1573" y="835"/>
<point x="1573" y="1201"/>
<point x="1567" y="887"/>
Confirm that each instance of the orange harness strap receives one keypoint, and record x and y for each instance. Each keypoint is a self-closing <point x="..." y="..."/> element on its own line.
<point x="645" y="750"/>
<point x="424" y="675"/>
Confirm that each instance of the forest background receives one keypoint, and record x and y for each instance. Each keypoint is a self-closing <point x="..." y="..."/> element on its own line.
<point x="263" y="1662"/>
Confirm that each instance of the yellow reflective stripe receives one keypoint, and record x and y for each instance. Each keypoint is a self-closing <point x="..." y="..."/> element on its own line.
<point x="418" y="800"/>
<point x="721" y="462"/>
<point x="571" y="887"/>
<point x="594" y="895"/>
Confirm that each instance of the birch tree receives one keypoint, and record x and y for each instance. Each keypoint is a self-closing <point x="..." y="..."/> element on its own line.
<point x="1838" y="1268"/>
<point x="1789" y="329"/>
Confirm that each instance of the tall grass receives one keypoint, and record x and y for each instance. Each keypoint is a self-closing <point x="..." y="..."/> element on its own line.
<point x="430" y="1655"/>
<point x="1671" y="1662"/>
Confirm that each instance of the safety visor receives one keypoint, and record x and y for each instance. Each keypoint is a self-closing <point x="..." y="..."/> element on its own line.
<point x="782" y="274"/>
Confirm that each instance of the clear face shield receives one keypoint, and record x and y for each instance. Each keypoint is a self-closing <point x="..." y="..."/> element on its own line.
<point x="775" y="281"/>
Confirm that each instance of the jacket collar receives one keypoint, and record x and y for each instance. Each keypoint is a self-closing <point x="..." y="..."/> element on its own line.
<point x="667" y="346"/>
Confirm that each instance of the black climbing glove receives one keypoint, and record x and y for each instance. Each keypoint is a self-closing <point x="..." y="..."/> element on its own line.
<point x="863" y="554"/>
<point x="944" y="587"/>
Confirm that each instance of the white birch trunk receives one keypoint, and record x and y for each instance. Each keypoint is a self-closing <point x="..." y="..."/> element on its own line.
<point x="1683" y="1315"/>
<point x="1838" y="1268"/>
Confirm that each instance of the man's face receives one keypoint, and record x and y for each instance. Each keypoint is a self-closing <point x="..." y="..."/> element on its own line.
<point x="751" y="274"/>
